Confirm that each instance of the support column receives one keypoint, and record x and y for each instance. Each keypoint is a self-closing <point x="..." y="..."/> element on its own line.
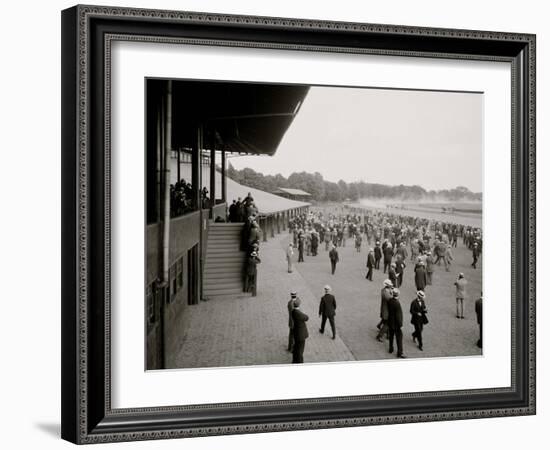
<point x="166" y="182"/>
<point x="195" y="171"/>
<point x="264" y="228"/>
<point x="159" y="161"/>
<point x="224" y="179"/>
<point x="272" y="226"/>
<point x="212" y="180"/>
<point x="196" y="181"/>
<point x="278" y="223"/>
<point x="200" y="146"/>
<point x="165" y="284"/>
<point x="284" y="220"/>
<point x="179" y="165"/>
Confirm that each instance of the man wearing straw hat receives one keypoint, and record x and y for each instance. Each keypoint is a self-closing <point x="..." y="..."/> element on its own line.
<point x="385" y="296"/>
<point x="418" y="317"/>
<point x="460" y="284"/>
<point x="300" y="333"/>
<point x="395" y="323"/>
<point x="251" y="273"/>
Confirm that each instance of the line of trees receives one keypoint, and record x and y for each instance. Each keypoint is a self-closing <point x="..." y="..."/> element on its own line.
<point x="323" y="190"/>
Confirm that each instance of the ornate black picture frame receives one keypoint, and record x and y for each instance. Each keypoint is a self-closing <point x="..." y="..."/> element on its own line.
<point x="87" y="34"/>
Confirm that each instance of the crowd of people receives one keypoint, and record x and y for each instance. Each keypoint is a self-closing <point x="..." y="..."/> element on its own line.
<point x="396" y="241"/>
<point x="241" y="210"/>
<point x="395" y="238"/>
<point x="391" y="318"/>
<point x="182" y="198"/>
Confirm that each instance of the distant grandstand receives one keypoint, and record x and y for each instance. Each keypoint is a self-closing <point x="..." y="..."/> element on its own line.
<point x="292" y="194"/>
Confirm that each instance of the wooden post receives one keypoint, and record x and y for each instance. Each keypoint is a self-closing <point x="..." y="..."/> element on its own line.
<point x="264" y="228"/>
<point x="272" y="226"/>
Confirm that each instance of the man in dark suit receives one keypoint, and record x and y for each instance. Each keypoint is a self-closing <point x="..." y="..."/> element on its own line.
<point x="251" y="273"/>
<point x="418" y="317"/>
<point x="399" y="270"/>
<point x="385" y="296"/>
<point x="479" y="315"/>
<point x="233" y="211"/>
<point x="475" y="255"/>
<point x="388" y="256"/>
<point x="301" y="240"/>
<point x="377" y="255"/>
<point x="300" y="334"/>
<point x="395" y="323"/>
<point x="420" y="279"/>
<point x="290" y="307"/>
<point x="370" y="264"/>
<point x="333" y="255"/>
<point x="327" y="310"/>
<point x="392" y="274"/>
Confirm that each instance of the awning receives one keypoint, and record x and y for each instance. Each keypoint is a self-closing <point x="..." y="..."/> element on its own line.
<point x="249" y="118"/>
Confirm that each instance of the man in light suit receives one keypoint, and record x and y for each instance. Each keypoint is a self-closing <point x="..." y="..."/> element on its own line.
<point x="289" y="255"/>
<point x="327" y="310"/>
<point x="300" y="334"/>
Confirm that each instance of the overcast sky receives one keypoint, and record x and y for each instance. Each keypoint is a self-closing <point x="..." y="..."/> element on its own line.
<point x="432" y="139"/>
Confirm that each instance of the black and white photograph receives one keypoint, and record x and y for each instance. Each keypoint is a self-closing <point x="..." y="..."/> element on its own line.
<point x="290" y="224"/>
<point x="275" y="224"/>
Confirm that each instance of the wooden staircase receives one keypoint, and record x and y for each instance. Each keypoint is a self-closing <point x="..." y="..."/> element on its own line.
<point x="224" y="266"/>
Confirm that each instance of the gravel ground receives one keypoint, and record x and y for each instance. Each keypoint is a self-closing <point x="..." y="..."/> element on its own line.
<point x="358" y="303"/>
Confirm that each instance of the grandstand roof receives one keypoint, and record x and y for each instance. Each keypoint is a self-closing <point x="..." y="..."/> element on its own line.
<point x="265" y="202"/>
<point x="249" y="118"/>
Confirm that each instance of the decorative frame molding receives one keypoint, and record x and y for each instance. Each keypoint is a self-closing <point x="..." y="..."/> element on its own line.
<point x="87" y="34"/>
